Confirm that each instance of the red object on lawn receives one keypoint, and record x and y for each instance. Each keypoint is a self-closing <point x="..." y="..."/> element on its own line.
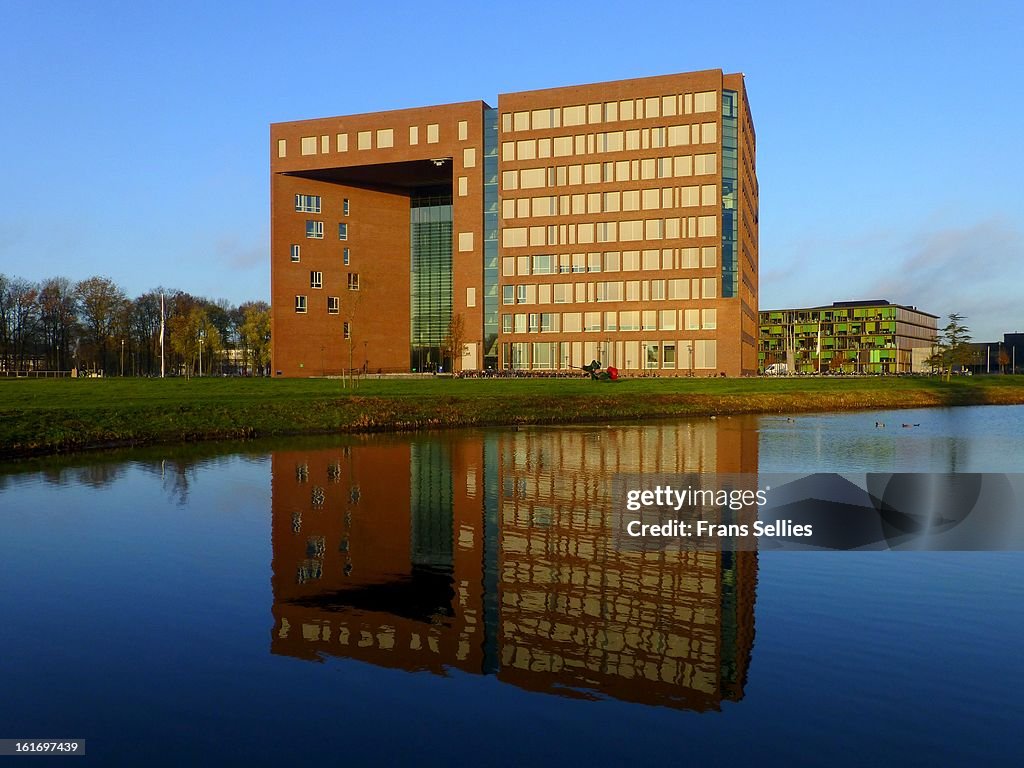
<point x="613" y="373"/>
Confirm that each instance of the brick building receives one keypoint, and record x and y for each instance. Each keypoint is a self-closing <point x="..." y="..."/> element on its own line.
<point x="614" y="221"/>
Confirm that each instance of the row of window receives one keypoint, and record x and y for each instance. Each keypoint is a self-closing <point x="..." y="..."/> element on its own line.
<point x="315" y="230"/>
<point x="632" y="230"/>
<point x="613" y="171"/>
<point x="667" y="105"/>
<point x="670" y="354"/>
<point x="311" y="204"/>
<point x="296" y="254"/>
<point x="611" y="261"/>
<point x="610" y="141"/>
<point x="333" y="305"/>
<point x="382" y="138"/>
<point x="610" y="202"/>
<point x="316" y="280"/>
<point x="632" y="320"/>
<point x="675" y="289"/>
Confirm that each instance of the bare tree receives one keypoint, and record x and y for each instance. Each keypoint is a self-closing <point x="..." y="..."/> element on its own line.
<point x="58" y="309"/>
<point x="103" y="307"/>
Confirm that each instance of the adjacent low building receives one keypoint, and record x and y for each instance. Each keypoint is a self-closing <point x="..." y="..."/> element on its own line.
<point x="1006" y="356"/>
<point x="863" y="337"/>
<point x="614" y="221"/>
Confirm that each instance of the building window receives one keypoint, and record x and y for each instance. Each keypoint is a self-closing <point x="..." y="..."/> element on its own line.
<point x="343" y="231"/>
<point x="307" y="203"/>
<point x="333" y="305"/>
<point x="344" y="206"/>
<point x="353" y="281"/>
<point x="315" y="229"/>
<point x="345" y="257"/>
<point x="508" y="294"/>
<point x="295" y="252"/>
<point x="300" y="304"/>
<point x="316" y="279"/>
<point x="347" y="330"/>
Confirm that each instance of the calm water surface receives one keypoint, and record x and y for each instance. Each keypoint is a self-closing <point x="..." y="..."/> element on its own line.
<point x="455" y="599"/>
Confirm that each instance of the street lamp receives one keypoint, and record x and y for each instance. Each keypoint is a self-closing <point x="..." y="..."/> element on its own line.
<point x="122" y="358"/>
<point x="366" y="361"/>
<point x="201" y="335"/>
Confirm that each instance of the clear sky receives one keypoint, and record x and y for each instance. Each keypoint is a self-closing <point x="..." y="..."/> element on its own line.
<point x="135" y="134"/>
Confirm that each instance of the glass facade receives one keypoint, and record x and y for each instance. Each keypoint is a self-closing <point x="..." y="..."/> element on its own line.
<point x="430" y="474"/>
<point x="730" y="223"/>
<point x="430" y="215"/>
<point x="490" y="238"/>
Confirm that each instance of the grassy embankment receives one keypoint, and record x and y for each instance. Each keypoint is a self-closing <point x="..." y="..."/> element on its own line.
<point x="55" y="416"/>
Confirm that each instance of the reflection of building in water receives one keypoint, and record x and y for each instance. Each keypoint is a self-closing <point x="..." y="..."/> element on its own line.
<point x="494" y="553"/>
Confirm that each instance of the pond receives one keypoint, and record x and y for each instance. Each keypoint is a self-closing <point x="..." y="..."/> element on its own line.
<point x="457" y="598"/>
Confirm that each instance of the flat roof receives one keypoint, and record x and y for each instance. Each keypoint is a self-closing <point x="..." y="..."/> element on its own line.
<point x="852" y="304"/>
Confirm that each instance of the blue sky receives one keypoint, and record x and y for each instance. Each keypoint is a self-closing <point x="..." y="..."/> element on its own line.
<point x="135" y="134"/>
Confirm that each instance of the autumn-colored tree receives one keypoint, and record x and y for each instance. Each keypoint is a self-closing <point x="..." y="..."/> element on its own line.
<point x="455" y="340"/>
<point x="254" y="333"/>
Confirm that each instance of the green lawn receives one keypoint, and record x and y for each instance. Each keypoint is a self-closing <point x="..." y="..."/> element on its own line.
<point x="47" y="416"/>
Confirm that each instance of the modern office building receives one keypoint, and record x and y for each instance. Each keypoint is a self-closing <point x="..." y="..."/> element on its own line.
<point x="615" y="221"/>
<point x="848" y="337"/>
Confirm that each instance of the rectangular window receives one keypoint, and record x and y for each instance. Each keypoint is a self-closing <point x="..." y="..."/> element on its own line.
<point x="345" y="257"/>
<point x="300" y="304"/>
<point x="353" y="281"/>
<point x="315" y="229"/>
<point x="343" y="231"/>
<point x="333" y="305"/>
<point x="705" y="353"/>
<point x="316" y="279"/>
<point x="344" y="207"/>
<point x="508" y="294"/>
<point x="295" y="252"/>
<point x="307" y="203"/>
<point x="506" y="323"/>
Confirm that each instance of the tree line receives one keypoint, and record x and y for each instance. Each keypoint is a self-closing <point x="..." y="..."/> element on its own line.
<point x="93" y="326"/>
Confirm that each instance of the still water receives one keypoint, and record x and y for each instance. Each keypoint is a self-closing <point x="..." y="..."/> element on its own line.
<point x="455" y="599"/>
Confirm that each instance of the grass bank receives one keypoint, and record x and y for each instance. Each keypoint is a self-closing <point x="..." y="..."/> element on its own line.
<point x="56" y="416"/>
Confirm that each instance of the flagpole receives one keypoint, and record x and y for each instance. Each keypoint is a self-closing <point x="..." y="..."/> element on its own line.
<point x="161" y="335"/>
